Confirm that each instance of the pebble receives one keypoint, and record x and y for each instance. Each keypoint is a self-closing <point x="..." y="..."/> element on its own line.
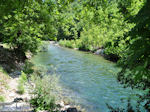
<point x="12" y="94"/>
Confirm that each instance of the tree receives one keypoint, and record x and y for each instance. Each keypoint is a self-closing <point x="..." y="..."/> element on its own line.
<point x="137" y="60"/>
<point x="25" y="24"/>
<point x="136" y="65"/>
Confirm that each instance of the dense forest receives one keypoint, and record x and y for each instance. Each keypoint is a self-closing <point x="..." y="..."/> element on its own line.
<point x="120" y="27"/>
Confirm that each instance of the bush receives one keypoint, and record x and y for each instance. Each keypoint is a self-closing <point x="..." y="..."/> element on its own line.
<point x="28" y="68"/>
<point x="21" y="89"/>
<point x="45" y="92"/>
<point x="43" y="47"/>
<point x="21" y="83"/>
<point x="91" y="39"/>
<point x="2" y="99"/>
<point x="78" y="43"/>
<point x="68" y="43"/>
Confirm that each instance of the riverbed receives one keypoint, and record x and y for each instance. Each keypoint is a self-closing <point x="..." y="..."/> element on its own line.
<point x="89" y="80"/>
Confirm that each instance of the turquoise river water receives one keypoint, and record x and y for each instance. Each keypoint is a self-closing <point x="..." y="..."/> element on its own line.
<point x="88" y="79"/>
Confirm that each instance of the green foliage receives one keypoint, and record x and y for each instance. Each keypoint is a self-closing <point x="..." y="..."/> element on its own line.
<point x="67" y="43"/>
<point x="43" y="47"/>
<point x="70" y="43"/>
<point x="21" y="83"/>
<point x="4" y="78"/>
<point x="21" y="32"/>
<point x="2" y="99"/>
<point x="136" y="62"/>
<point x="91" y="39"/>
<point x="97" y="26"/>
<point x="67" y="24"/>
<point x="23" y="76"/>
<point x="130" y="8"/>
<point x="28" y="68"/>
<point x="25" y="24"/>
<point x="9" y="5"/>
<point x="45" y="92"/>
<point x="21" y="89"/>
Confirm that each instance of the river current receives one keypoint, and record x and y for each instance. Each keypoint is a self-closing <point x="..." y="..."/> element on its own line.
<point x="89" y="80"/>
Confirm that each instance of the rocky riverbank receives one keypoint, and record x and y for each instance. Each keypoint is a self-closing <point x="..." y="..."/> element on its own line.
<point x="17" y="102"/>
<point x="10" y="99"/>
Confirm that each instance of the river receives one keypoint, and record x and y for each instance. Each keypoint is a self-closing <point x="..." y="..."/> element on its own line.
<point x="88" y="79"/>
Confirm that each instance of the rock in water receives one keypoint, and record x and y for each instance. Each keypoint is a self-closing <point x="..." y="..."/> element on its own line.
<point x="72" y="110"/>
<point x="18" y="99"/>
<point x="100" y="52"/>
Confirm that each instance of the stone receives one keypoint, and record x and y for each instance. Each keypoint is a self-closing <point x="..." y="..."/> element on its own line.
<point x="76" y="48"/>
<point x="67" y="106"/>
<point x="72" y="110"/>
<point x="62" y="104"/>
<point x="18" y="99"/>
<point x="99" y="52"/>
<point x="12" y="94"/>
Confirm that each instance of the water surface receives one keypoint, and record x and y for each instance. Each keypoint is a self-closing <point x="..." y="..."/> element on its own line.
<point x="88" y="79"/>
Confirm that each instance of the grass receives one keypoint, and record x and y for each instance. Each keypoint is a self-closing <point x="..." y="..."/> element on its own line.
<point x="21" y="83"/>
<point x="4" y="78"/>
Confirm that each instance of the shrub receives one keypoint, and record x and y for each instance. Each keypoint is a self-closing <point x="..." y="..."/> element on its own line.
<point x="21" y="89"/>
<point x="45" y="92"/>
<point x="62" y="42"/>
<point x="43" y="47"/>
<point x="91" y="39"/>
<point x="2" y="99"/>
<point x="21" y="83"/>
<point x="78" y="43"/>
<point x="28" y="67"/>
<point x="68" y="43"/>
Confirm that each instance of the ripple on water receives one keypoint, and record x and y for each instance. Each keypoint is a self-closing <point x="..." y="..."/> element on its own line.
<point x="88" y="79"/>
